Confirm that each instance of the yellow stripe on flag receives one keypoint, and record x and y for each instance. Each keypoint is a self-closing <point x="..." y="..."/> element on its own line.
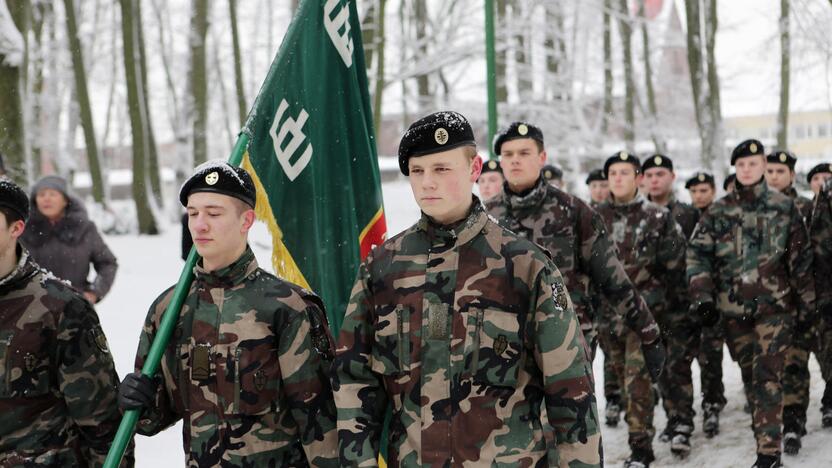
<point x="284" y="264"/>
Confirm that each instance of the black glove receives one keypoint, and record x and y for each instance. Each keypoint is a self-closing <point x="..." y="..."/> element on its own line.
<point x="654" y="356"/>
<point x="708" y="313"/>
<point x="137" y="391"/>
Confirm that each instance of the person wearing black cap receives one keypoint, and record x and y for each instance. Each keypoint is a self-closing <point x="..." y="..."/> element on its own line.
<point x="62" y="239"/>
<point x="247" y="365"/>
<point x="729" y="183"/>
<point x="553" y="175"/>
<point x="490" y="182"/>
<point x="461" y="318"/>
<point x="651" y="246"/>
<point x="780" y="176"/>
<point x="821" y="233"/>
<point x="576" y="238"/>
<point x="702" y="189"/>
<point x="58" y="400"/>
<point x="748" y="264"/>
<point x="818" y="175"/>
<point x="599" y="189"/>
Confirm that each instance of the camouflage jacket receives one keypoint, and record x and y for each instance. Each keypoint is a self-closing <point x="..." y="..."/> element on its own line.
<point x="651" y="246"/>
<point x="821" y="235"/>
<point x="750" y="253"/>
<point x="804" y="205"/>
<point x="247" y="371"/>
<point x="576" y="238"/>
<point x="57" y="378"/>
<point x="686" y="216"/>
<point x="466" y="331"/>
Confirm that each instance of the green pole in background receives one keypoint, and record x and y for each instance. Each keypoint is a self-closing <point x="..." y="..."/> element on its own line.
<point x="169" y="319"/>
<point x="491" y="75"/>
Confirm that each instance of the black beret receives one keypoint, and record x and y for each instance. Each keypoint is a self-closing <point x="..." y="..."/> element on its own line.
<point x="657" y="160"/>
<point x="622" y="156"/>
<point x="491" y="165"/>
<point x="220" y="177"/>
<point x="434" y="133"/>
<point x="551" y="172"/>
<point x="782" y="157"/>
<point x="700" y="178"/>
<point x="818" y="169"/>
<point x="515" y="131"/>
<point x="596" y="175"/>
<point x="14" y="198"/>
<point x="747" y="148"/>
<point x="728" y="180"/>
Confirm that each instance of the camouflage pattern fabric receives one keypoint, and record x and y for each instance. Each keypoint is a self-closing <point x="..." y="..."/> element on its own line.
<point x="57" y="378"/>
<point x="710" y="366"/>
<point x="637" y="389"/>
<point x="821" y="234"/>
<point x="246" y="370"/>
<point x="750" y="255"/>
<point x="651" y="246"/>
<point x="576" y="238"/>
<point x="466" y="330"/>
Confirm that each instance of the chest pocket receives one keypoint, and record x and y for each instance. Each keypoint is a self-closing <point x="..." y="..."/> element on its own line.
<point x="496" y="349"/>
<point x="257" y="378"/>
<point x="24" y="366"/>
<point x="391" y="352"/>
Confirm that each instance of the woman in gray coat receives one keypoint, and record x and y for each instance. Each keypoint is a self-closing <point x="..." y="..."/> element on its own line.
<point x="62" y="239"/>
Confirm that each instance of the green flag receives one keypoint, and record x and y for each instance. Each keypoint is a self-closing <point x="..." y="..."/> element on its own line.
<point x="313" y="156"/>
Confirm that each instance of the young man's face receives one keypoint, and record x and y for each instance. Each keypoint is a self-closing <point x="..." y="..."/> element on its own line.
<point x="599" y="191"/>
<point x="490" y="184"/>
<point x="817" y="181"/>
<point x="750" y="169"/>
<point x="9" y="233"/>
<point x="623" y="180"/>
<point x="779" y="176"/>
<point x="702" y="195"/>
<point x="51" y="203"/>
<point x="658" y="181"/>
<point x="442" y="183"/>
<point x="522" y="161"/>
<point x="219" y="225"/>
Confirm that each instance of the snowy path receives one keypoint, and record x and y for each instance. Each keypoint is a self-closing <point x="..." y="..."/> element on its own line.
<point x="149" y="264"/>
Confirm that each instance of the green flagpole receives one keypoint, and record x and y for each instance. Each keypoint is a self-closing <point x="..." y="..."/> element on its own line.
<point x="491" y="75"/>
<point x="169" y="319"/>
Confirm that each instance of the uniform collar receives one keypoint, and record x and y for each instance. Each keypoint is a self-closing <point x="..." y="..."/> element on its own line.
<point x="671" y="200"/>
<point x="790" y="192"/>
<point x="529" y="198"/>
<point x="460" y="232"/>
<point x="230" y="276"/>
<point x="751" y="193"/>
<point x="25" y="269"/>
<point x="632" y="205"/>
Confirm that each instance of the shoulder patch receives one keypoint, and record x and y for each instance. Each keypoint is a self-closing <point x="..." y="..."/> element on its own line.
<point x="97" y="336"/>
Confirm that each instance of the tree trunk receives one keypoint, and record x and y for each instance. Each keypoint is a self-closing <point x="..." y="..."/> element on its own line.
<point x="522" y="52"/>
<point x="242" y="109"/>
<point x="783" y="114"/>
<point x="500" y="33"/>
<point x="404" y="32"/>
<point x="608" y="78"/>
<point x="629" y="83"/>
<point x="658" y="141"/>
<point x="422" y="81"/>
<point x="716" y="136"/>
<point x="379" y="80"/>
<point x="152" y="154"/>
<point x="555" y="49"/>
<point x="694" y="46"/>
<point x="138" y="119"/>
<point x="199" y="85"/>
<point x="75" y="48"/>
<point x="39" y="16"/>
<point x="12" y="136"/>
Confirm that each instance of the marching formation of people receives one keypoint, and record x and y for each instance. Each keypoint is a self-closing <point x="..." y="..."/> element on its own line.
<point x="472" y="332"/>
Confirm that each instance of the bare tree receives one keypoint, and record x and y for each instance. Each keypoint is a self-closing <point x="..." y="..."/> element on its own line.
<point x="715" y="140"/>
<point x="152" y="154"/>
<point x="608" y="78"/>
<point x="379" y="65"/>
<point x="420" y="18"/>
<point x="12" y="138"/>
<point x="625" y="29"/>
<point x="76" y="49"/>
<point x="653" y="113"/>
<point x="139" y="120"/>
<point x="783" y="113"/>
<point x="242" y="109"/>
<point x="198" y="84"/>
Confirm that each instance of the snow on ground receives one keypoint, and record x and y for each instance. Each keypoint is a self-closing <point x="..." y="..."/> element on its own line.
<point x="149" y="264"/>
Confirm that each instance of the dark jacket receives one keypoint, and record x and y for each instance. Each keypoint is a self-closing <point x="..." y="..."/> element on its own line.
<point x="68" y="247"/>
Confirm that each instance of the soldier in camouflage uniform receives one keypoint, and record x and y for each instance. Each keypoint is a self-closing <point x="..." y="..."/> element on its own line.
<point x="750" y="260"/>
<point x="821" y="234"/>
<point x="247" y="365"/>
<point x="818" y="175"/>
<point x="702" y="188"/>
<point x="599" y="189"/>
<point x="651" y="247"/>
<point x="465" y="328"/>
<point x="780" y="176"/>
<point x="682" y="335"/>
<point x="57" y="378"/>
<point x="575" y="237"/>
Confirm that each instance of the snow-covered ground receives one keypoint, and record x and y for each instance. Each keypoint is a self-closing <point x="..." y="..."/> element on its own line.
<point x="149" y="264"/>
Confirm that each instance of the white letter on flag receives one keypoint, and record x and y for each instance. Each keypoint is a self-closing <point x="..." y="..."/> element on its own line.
<point x="295" y="127"/>
<point x="342" y="42"/>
